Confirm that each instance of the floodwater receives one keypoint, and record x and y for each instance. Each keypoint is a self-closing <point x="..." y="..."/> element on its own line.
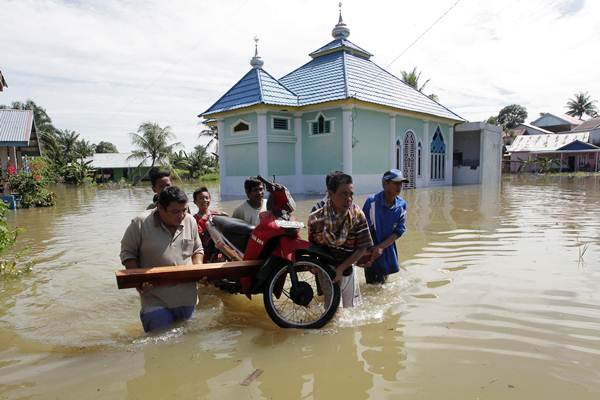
<point x="498" y="298"/>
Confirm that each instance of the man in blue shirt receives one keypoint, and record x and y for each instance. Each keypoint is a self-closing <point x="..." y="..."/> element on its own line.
<point x="386" y="215"/>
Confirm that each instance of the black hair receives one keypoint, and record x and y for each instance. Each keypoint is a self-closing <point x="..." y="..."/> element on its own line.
<point x="337" y="180"/>
<point x="203" y="189"/>
<point x="156" y="174"/>
<point x="251" y="183"/>
<point x="172" y="194"/>
<point x="330" y="175"/>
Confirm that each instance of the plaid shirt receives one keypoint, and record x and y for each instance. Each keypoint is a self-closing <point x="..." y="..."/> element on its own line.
<point x="359" y="236"/>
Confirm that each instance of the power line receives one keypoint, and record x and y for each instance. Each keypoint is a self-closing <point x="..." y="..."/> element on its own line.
<point x="413" y="43"/>
<point x="424" y="33"/>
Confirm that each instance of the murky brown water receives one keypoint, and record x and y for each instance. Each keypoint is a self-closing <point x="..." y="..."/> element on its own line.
<point x="498" y="299"/>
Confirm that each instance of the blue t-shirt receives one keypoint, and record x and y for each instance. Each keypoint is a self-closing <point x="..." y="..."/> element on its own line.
<point x="383" y="221"/>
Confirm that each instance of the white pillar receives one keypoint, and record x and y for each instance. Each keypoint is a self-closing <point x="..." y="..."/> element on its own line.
<point x="426" y="156"/>
<point x="347" y="129"/>
<point x="221" y="151"/>
<point x="14" y="157"/>
<point x="263" y="160"/>
<point x="298" y="153"/>
<point x="392" y="141"/>
<point x="450" y="157"/>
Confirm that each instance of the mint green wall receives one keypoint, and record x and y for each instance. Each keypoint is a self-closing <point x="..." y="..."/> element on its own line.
<point x="271" y="131"/>
<point x="370" y="154"/>
<point x="322" y="153"/>
<point x="281" y="159"/>
<point x="404" y="124"/>
<point x="241" y="159"/>
<point x="229" y="121"/>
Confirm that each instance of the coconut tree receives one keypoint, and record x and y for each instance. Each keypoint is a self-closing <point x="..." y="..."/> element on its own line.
<point x="411" y="78"/>
<point x="212" y="133"/>
<point x="581" y="104"/>
<point x="151" y="143"/>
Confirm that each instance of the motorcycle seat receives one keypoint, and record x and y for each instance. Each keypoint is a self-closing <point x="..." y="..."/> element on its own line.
<point x="235" y="230"/>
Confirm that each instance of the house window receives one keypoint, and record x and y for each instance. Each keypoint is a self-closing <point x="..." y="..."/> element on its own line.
<point x="320" y="126"/>
<point x="281" y="124"/>
<point x="241" y="127"/>
<point x="438" y="156"/>
<point x="419" y="158"/>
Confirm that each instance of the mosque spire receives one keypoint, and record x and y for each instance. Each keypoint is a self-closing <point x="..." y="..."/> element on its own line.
<point x="340" y="31"/>
<point x="256" y="61"/>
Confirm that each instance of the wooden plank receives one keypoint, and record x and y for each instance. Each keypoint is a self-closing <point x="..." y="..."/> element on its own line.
<point x="131" y="278"/>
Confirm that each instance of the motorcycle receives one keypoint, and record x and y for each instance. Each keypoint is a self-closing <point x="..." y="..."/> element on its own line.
<point x="295" y="278"/>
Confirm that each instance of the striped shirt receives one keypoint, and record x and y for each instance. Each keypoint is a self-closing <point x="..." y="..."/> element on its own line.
<point x="359" y="236"/>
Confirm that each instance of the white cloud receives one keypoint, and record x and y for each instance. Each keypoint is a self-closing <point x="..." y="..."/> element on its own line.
<point x="103" y="67"/>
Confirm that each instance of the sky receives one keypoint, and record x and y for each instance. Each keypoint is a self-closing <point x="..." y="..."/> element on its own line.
<point x="101" y="68"/>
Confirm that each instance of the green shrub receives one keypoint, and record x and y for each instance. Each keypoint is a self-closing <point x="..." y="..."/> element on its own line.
<point x="32" y="189"/>
<point x="10" y="267"/>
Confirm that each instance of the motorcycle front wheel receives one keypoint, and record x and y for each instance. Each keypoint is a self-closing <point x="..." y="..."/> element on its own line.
<point x="310" y="303"/>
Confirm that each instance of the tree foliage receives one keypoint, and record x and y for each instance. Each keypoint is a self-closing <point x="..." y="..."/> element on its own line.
<point x="196" y="163"/>
<point x="105" y="147"/>
<point x="511" y="116"/>
<point x="411" y="78"/>
<point x="581" y="104"/>
<point x="152" y="143"/>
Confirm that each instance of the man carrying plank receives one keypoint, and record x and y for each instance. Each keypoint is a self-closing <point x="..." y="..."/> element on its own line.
<point x="164" y="236"/>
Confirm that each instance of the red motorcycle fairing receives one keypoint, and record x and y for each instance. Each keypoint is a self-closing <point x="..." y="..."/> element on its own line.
<point x="268" y="229"/>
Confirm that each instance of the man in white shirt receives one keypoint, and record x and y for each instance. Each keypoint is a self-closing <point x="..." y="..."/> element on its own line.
<point x="250" y="209"/>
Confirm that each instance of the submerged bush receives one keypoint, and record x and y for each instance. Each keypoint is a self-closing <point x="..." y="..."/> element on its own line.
<point x="32" y="189"/>
<point x="10" y="267"/>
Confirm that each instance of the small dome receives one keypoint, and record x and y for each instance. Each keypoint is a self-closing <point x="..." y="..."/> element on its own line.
<point x="256" y="61"/>
<point x="340" y="31"/>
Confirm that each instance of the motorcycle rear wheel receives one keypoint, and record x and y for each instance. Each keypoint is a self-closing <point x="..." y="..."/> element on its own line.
<point x="288" y="309"/>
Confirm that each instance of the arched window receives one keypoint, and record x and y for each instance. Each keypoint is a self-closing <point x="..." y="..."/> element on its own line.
<point x="419" y="158"/>
<point x="398" y="153"/>
<point x="321" y="125"/>
<point x="438" y="156"/>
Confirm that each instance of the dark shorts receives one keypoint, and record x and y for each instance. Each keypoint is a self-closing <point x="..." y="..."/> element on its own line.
<point x="164" y="317"/>
<point x="373" y="276"/>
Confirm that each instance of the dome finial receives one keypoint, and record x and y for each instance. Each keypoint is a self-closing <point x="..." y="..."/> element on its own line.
<point x="340" y="31"/>
<point x="256" y="61"/>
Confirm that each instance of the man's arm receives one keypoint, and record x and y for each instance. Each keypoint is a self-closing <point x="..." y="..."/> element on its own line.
<point x="347" y="263"/>
<point x="130" y="244"/>
<point x="377" y="250"/>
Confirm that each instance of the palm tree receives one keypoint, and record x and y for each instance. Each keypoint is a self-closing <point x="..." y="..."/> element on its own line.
<point x="582" y="104"/>
<point x="83" y="149"/>
<point x="411" y="78"/>
<point x="213" y="134"/>
<point x="152" y="144"/>
<point x="67" y="141"/>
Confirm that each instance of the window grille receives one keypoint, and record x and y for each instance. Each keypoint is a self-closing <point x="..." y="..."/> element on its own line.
<point x="438" y="156"/>
<point x="281" y="124"/>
